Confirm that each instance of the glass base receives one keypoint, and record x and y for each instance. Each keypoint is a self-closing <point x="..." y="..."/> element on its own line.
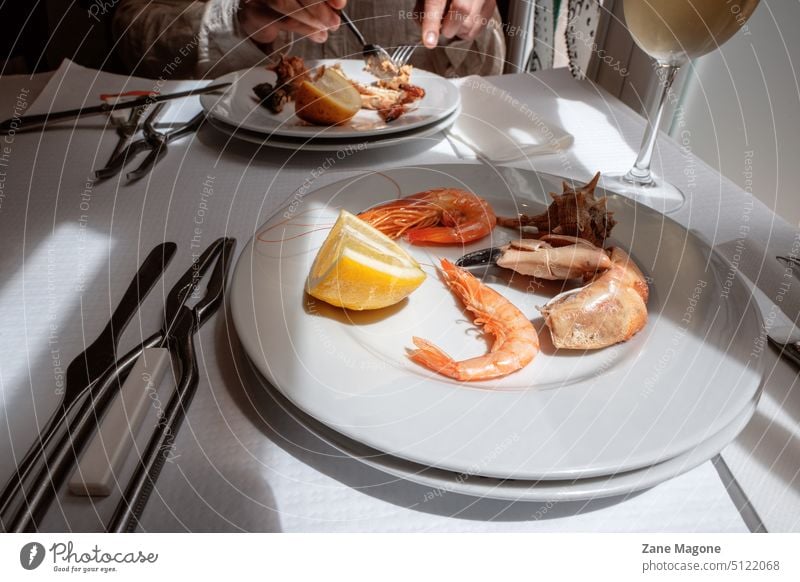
<point x="658" y="194"/>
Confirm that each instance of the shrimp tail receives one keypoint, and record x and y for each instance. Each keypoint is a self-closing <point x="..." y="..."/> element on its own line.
<point x="433" y="358"/>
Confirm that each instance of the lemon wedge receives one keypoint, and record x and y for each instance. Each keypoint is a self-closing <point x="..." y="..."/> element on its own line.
<point x="329" y="100"/>
<point x="359" y="267"/>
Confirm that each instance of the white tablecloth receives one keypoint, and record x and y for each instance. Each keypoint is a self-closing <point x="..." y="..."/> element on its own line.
<point x="71" y="248"/>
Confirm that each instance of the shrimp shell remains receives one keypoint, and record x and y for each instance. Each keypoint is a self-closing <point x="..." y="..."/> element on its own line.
<point x="554" y="257"/>
<point x="440" y="216"/>
<point x="610" y="309"/>
<point x="516" y="342"/>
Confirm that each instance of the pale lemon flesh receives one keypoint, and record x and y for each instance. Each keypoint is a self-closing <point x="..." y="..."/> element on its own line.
<point x="360" y="268"/>
<point x="329" y="100"/>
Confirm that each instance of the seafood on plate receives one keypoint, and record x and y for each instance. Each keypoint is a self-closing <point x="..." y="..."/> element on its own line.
<point x="611" y="304"/>
<point x="515" y="345"/>
<point x="291" y="72"/>
<point x="609" y="309"/>
<point x="553" y="257"/>
<point x="438" y="216"/>
<point x="389" y="97"/>
<point x="574" y="212"/>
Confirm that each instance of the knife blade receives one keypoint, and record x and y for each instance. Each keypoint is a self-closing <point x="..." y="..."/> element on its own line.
<point x="30" y="122"/>
<point x="792" y="263"/>
<point x="787" y="339"/>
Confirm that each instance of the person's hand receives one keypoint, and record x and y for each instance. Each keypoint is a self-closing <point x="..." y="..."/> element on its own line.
<point x="462" y="18"/>
<point x="262" y="20"/>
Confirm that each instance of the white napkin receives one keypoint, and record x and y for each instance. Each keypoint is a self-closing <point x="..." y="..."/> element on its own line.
<point x="501" y="128"/>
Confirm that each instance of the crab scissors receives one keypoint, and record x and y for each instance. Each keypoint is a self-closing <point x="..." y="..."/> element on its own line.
<point x="153" y="141"/>
<point x="181" y="322"/>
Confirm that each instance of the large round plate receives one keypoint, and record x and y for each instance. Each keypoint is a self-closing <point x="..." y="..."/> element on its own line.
<point x="567" y="415"/>
<point x="239" y="107"/>
<point x="332" y="145"/>
<point x="614" y="485"/>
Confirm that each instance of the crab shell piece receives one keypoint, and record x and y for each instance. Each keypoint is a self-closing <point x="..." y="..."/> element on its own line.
<point x="611" y="308"/>
<point x="546" y="258"/>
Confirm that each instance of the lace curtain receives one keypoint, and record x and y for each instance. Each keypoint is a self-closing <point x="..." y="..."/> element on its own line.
<point x="563" y="34"/>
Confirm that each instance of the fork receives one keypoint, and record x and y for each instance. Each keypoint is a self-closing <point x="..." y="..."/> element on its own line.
<point x="373" y="54"/>
<point x="402" y="54"/>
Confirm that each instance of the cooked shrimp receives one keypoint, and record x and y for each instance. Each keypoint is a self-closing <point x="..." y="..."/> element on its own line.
<point x="516" y="342"/>
<point x="443" y="215"/>
<point x="611" y="308"/>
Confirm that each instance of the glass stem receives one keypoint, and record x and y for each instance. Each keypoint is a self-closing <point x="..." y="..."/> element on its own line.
<point x="640" y="172"/>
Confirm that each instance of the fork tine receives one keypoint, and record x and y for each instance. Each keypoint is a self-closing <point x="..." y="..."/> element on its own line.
<point x="399" y="54"/>
<point x="405" y="56"/>
<point x="410" y="53"/>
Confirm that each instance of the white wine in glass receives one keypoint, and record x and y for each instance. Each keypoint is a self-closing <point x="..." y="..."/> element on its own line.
<point x="672" y="32"/>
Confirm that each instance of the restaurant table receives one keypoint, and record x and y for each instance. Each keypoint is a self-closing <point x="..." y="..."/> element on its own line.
<point x="71" y="247"/>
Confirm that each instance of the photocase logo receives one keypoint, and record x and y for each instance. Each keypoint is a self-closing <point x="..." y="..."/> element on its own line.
<point x="31" y="555"/>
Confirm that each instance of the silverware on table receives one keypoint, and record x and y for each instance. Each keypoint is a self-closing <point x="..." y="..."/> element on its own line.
<point x="182" y="322"/>
<point x="787" y="339"/>
<point x="29" y="122"/>
<point x="153" y="141"/>
<point x="374" y="55"/>
<point x="44" y="487"/>
<point x="126" y="130"/>
<point x="87" y="371"/>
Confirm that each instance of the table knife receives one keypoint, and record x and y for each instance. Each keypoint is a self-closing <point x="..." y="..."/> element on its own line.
<point x="29" y="122"/>
<point x="792" y="263"/>
<point x="787" y="339"/>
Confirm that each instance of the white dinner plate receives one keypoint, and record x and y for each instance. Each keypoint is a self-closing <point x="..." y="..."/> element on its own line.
<point x="623" y="483"/>
<point x="239" y="107"/>
<point x="330" y="145"/>
<point x="568" y="414"/>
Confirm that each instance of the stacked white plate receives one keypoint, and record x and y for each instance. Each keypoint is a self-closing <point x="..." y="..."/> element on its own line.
<point x="237" y="113"/>
<point x="571" y="425"/>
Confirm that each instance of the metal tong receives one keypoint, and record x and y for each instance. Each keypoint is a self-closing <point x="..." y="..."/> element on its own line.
<point x="60" y="460"/>
<point x="88" y="371"/>
<point x="181" y="323"/>
<point x="153" y="141"/>
<point x="126" y="130"/>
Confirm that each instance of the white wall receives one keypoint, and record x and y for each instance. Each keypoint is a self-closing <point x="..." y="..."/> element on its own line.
<point x="746" y="98"/>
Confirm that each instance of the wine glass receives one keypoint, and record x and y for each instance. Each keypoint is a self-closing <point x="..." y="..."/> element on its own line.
<point x="672" y="32"/>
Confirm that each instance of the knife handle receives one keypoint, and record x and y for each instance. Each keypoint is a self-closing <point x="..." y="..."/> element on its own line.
<point x="36" y="121"/>
<point x="100" y="465"/>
